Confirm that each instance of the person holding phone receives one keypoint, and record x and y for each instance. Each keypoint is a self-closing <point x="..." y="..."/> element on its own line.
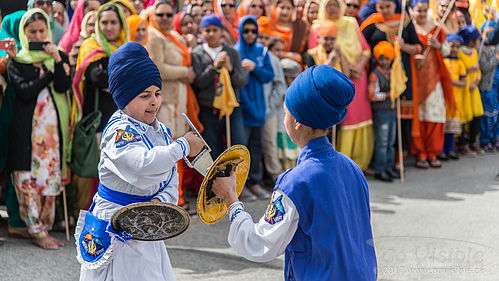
<point x="38" y="140"/>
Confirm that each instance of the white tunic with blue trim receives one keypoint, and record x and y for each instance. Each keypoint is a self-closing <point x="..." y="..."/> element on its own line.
<point x="136" y="159"/>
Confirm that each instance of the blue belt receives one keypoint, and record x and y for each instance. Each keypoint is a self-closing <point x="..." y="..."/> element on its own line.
<point x="120" y="197"/>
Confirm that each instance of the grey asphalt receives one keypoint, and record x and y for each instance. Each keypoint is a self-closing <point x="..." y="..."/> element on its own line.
<point x="442" y="224"/>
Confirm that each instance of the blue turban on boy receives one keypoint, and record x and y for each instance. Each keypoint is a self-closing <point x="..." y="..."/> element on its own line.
<point x="211" y="20"/>
<point x="131" y="71"/>
<point x="469" y="33"/>
<point x="454" y="38"/>
<point x="319" y="96"/>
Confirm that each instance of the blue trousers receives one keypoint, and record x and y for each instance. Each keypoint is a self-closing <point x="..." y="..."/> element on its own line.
<point x="214" y="129"/>
<point x="385" y="127"/>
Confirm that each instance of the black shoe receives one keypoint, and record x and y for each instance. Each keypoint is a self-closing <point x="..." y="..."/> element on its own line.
<point x="393" y="174"/>
<point x="452" y="155"/>
<point x="383" y="177"/>
<point x="443" y="157"/>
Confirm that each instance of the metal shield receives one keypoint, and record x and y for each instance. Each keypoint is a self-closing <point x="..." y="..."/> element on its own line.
<point x="151" y="221"/>
<point x="210" y="207"/>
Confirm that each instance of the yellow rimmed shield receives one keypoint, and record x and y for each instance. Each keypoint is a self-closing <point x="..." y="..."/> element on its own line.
<point x="210" y="207"/>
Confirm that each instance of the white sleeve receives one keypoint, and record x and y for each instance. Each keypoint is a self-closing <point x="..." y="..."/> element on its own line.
<point x="138" y="165"/>
<point x="267" y="239"/>
<point x="170" y="193"/>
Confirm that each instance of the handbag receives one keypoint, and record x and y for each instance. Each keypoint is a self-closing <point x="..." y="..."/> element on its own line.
<point x="85" y="154"/>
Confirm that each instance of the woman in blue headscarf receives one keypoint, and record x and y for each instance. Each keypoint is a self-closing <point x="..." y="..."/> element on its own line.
<point x="256" y="62"/>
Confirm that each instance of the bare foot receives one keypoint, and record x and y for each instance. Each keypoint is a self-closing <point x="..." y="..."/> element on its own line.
<point x="56" y="241"/>
<point x="45" y="243"/>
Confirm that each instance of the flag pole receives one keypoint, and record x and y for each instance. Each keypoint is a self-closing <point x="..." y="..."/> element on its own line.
<point x="399" y="121"/>
<point x="65" y="206"/>
<point x="440" y="23"/>
<point x="227" y="130"/>
<point x="333" y="136"/>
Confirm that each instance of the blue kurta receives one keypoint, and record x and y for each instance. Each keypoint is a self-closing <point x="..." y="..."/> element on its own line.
<point x="334" y="239"/>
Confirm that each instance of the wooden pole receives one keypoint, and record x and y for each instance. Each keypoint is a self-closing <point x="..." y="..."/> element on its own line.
<point x="333" y="136"/>
<point x="399" y="132"/>
<point x="399" y="121"/>
<point x="227" y="130"/>
<point x="65" y="206"/>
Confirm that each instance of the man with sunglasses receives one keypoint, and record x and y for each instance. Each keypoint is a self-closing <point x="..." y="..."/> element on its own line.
<point x="256" y="62"/>
<point x="55" y="27"/>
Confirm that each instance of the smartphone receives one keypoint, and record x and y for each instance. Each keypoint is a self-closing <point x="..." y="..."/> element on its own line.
<point x="5" y="45"/>
<point x="37" y="45"/>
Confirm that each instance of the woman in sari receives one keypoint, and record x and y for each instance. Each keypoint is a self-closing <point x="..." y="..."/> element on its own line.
<point x="226" y="10"/>
<point x="293" y="33"/>
<point x="87" y="29"/>
<point x="72" y="34"/>
<point x="384" y="26"/>
<point x="433" y="94"/>
<point x="39" y="138"/>
<point x="91" y="78"/>
<point x="310" y="12"/>
<point x="355" y="137"/>
<point x="168" y="50"/>
<point x="138" y="29"/>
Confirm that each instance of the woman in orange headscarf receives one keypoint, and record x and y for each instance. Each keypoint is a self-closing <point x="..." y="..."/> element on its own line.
<point x="254" y="8"/>
<point x="138" y="29"/>
<point x="168" y="51"/>
<point x="434" y="92"/>
<point x="294" y="32"/>
<point x="226" y="11"/>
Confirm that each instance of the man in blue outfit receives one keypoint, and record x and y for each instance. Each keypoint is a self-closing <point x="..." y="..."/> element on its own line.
<point x="319" y="213"/>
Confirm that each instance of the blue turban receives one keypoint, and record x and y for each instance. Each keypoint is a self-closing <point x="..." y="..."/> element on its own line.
<point x="131" y="71"/>
<point x="488" y="23"/>
<point x="211" y="20"/>
<point x="454" y="38"/>
<point x="319" y="96"/>
<point x="469" y="33"/>
<point x="414" y="2"/>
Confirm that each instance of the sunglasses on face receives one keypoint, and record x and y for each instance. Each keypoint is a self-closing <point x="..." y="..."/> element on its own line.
<point x="246" y="31"/>
<point x="41" y="2"/>
<point x="168" y="15"/>
<point x="256" y="6"/>
<point x="349" y="5"/>
<point x="228" y="5"/>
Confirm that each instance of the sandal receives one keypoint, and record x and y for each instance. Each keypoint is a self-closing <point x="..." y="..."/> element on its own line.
<point x="188" y="209"/>
<point x="422" y="164"/>
<point x="435" y="163"/>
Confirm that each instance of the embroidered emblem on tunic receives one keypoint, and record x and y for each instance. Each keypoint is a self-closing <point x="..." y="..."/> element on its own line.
<point x="124" y="137"/>
<point x="92" y="245"/>
<point x="275" y="211"/>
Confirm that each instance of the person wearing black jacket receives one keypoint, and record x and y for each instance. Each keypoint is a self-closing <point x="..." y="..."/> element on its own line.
<point x="207" y="62"/>
<point x="38" y="135"/>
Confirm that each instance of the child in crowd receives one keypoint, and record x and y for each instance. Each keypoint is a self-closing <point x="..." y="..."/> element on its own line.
<point x="384" y="116"/>
<point x="287" y="150"/>
<point x="457" y="72"/>
<point x="327" y="52"/>
<point x="472" y="102"/>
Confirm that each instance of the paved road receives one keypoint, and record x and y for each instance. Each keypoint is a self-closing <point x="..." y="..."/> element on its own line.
<point x="441" y="225"/>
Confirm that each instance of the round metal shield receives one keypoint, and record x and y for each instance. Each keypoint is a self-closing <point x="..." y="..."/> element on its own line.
<point x="151" y="221"/>
<point x="210" y="207"/>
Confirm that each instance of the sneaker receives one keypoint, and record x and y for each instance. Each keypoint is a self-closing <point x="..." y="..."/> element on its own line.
<point x="489" y="148"/>
<point x="477" y="149"/>
<point x="443" y="157"/>
<point x="246" y="195"/>
<point x="452" y="155"/>
<point x="383" y="177"/>
<point x="259" y="191"/>
<point x="466" y="151"/>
